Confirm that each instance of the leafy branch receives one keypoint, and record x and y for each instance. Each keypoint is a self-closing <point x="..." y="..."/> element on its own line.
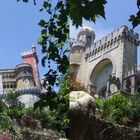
<point x="135" y="19"/>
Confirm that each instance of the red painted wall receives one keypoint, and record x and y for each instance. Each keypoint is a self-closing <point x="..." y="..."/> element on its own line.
<point x="31" y="59"/>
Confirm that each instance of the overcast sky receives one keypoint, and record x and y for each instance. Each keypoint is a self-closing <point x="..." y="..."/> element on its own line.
<point x="117" y="14"/>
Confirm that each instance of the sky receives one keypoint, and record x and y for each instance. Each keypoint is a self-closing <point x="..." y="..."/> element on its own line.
<point x="117" y="14"/>
<point x="19" y="27"/>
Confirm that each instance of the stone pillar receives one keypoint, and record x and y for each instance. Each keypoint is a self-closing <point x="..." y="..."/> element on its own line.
<point x="1" y="85"/>
<point x="133" y="86"/>
<point x="91" y="89"/>
<point x="108" y="89"/>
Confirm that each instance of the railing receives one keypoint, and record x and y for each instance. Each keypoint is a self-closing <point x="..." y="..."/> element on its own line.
<point x="24" y="91"/>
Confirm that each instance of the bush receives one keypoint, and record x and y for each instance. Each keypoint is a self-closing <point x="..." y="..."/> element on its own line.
<point x="120" y="109"/>
<point x="100" y="103"/>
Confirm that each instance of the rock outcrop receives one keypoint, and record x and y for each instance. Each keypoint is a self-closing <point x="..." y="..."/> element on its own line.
<point x="82" y="108"/>
<point x="4" y="137"/>
<point x="85" y="126"/>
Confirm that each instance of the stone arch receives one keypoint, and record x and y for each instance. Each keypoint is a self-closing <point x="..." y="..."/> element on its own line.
<point x="100" y="74"/>
<point x="113" y="85"/>
<point x="103" y="58"/>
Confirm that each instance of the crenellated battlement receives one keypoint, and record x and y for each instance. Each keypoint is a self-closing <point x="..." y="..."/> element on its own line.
<point x="26" y="53"/>
<point x="78" y="47"/>
<point x="111" y="41"/>
<point x="29" y="53"/>
<point x="109" y="64"/>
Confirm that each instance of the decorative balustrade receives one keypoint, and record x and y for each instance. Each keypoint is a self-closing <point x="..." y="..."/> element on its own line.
<point x="24" y="91"/>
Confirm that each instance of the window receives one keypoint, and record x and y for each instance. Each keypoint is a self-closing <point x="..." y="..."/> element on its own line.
<point x="88" y="41"/>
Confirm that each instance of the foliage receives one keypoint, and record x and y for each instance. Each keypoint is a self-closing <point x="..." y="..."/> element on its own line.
<point x="100" y="103"/>
<point x="134" y="103"/>
<point x="54" y="115"/>
<point x="115" y="108"/>
<point x="54" y="37"/>
<point x="13" y="114"/>
<point x="8" y="112"/>
<point x="135" y="19"/>
<point x="15" y="109"/>
<point x="120" y="109"/>
<point x="78" y="10"/>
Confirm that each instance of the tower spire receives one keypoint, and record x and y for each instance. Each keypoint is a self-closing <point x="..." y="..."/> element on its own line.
<point x="30" y="57"/>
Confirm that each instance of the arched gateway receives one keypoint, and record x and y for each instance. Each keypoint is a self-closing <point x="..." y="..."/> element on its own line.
<point x="100" y="75"/>
<point x="104" y="66"/>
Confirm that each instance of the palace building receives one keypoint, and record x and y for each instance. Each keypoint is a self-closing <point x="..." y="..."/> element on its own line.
<point x="23" y="78"/>
<point x="108" y="65"/>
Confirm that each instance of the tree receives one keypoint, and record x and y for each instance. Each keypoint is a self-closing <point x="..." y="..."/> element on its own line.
<point x="11" y="109"/>
<point x="54" y="37"/>
<point x="135" y="19"/>
<point x="55" y="115"/>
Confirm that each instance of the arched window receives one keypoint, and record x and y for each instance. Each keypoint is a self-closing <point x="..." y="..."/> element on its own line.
<point x="8" y="86"/>
<point x="11" y="86"/>
<point x="4" y="86"/>
<point x="88" y="43"/>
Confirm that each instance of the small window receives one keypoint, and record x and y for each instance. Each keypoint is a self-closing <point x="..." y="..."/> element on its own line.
<point x="88" y="40"/>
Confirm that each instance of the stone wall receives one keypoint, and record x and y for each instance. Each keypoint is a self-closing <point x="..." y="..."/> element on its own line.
<point x="92" y="128"/>
<point x="84" y="124"/>
<point x="119" y="47"/>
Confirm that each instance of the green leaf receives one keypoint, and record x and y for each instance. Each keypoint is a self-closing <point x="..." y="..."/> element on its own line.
<point x="42" y="23"/>
<point x="46" y="4"/>
<point x="138" y="3"/>
<point x="43" y="61"/>
<point x="78" y="10"/>
<point x="41" y="9"/>
<point x="135" y="20"/>
<point x="25" y="1"/>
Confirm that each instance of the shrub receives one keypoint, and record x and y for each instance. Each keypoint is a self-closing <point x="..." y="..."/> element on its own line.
<point x="100" y="103"/>
<point x="120" y="109"/>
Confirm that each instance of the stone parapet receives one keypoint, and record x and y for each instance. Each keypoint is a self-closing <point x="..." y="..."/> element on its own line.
<point x="7" y="70"/>
<point x="23" y="70"/>
<point x="78" y="43"/>
<point x="112" y="39"/>
<point x="75" y="58"/>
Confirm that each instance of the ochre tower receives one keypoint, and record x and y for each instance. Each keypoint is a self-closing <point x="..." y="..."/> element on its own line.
<point x="24" y="77"/>
<point x="30" y="57"/>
